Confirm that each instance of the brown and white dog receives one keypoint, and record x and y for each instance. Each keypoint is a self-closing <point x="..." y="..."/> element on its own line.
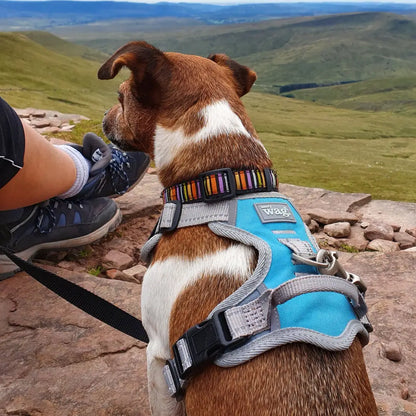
<point x="186" y="112"/>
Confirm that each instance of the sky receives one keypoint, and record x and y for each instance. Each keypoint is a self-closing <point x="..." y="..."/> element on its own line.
<point x="229" y="2"/>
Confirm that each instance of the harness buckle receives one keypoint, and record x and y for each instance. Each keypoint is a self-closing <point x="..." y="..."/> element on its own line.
<point x="170" y="221"/>
<point x="268" y="177"/>
<point x="202" y="344"/>
<point x="176" y="385"/>
<point x="218" y="185"/>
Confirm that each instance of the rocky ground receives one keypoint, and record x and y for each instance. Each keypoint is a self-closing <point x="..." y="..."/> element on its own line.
<point x="56" y="360"/>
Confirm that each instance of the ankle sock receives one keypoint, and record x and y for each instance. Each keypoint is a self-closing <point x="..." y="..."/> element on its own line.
<point x="82" y="166"/>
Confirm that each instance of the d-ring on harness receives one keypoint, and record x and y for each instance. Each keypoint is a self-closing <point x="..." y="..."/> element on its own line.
<point x="297" y="293"/>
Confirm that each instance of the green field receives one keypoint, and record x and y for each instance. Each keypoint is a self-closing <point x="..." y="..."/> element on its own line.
<point x="354" y="138"/>
<point x="337" y="149"/>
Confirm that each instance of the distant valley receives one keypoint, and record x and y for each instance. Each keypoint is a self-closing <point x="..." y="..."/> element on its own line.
<point x="24" y="15"/>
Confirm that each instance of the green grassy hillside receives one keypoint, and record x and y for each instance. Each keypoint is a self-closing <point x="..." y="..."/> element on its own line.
<point x="33" y="75"/>
<point x="310" y="144"/>
<point x="64" y="47"/>
<point x="344" y="150"/>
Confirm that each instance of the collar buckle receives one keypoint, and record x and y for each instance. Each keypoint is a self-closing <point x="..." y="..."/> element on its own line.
<point x="218" y="185"/>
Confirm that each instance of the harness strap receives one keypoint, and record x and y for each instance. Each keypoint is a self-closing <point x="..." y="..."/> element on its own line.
<point x="177" y="215"/>
<point x="253" y="317"/>
<point x="228" y="329"/>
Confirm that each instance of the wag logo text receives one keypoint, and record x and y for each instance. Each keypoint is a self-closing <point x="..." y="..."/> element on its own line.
<point x="274" y="212"/>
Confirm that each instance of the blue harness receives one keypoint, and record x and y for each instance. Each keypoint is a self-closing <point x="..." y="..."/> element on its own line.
<point x="297" y="293"/>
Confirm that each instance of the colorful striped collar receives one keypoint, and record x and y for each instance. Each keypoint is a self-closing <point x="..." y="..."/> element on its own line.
<point x="222" y="184"/>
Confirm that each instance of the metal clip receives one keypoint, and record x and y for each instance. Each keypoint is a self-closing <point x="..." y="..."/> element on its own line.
<point x="357" y="281"/>
<point x="334" y="268"/>
<point x="330" y="266"/>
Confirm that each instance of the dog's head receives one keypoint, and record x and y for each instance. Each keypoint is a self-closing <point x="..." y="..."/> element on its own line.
<point x="168" y="90"/>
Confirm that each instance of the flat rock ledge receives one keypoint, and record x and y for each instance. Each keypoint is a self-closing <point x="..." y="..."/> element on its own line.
<point x="58" y="361"/>
<point x="355" y="222"/>
<point x="47" y="121"/>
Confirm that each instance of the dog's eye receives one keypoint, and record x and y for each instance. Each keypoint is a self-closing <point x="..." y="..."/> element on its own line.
<point x="120" y="97"/>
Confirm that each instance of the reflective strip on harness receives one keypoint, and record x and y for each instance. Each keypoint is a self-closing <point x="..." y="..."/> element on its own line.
<point x="292" y="295"/>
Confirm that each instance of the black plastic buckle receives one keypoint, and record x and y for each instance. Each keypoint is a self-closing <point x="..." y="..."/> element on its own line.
<point x="175" y="219"/>
<point x="267" y="175"/>
<point x="176" y="386"/>
<point x="229" y="193"/>
<point x="202" y="343"/>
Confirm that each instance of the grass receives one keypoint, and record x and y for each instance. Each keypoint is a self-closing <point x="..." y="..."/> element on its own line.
<point x="321" y="146"/>
<point x="77" y="133"/>
<point x="397" y="94"/>
<point x="32" y="75"/>
<point x="347" y="150"/>
<point x="337" y="149"/>
<point x="95" y="271"/>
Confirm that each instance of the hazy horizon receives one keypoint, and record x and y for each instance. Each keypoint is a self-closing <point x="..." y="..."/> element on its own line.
<point x="235" y="2"/>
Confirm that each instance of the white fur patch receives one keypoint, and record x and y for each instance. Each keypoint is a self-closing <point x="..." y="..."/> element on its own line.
<point x="165" y="280"/>
<point x="219" y="118"/>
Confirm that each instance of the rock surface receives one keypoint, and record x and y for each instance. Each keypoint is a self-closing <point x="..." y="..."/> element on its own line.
<point x="384" y="246"/>
<point x="379" y="231"/>
<point x="326" y="207"/>
<point x="58" y="361"/>
<point x="338" y="229"/>
<point x="391" y="279"/>
<point x="49" y="122"/>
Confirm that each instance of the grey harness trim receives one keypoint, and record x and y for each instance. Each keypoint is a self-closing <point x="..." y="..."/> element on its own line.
<point x="250" y="312"/>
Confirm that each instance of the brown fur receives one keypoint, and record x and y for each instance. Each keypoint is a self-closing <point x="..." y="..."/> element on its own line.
<point x="292" y="380"/>
<point x="170" y="89"/>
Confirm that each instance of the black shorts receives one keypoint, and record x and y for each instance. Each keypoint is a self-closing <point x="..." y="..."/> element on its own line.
<point x="12" y="143"/>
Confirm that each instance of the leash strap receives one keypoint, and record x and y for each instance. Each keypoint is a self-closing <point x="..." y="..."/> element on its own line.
<point x="83" y="299"/>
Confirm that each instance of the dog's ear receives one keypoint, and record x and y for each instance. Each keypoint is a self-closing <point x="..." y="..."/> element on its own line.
<point x="146" y="64"/>
<point x="244" y="76"/>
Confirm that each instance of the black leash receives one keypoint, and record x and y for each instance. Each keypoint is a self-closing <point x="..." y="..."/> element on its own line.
<point x="83" y="299"/>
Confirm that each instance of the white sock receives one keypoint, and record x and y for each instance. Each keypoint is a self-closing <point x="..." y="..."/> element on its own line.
<point x="82" y="166"/>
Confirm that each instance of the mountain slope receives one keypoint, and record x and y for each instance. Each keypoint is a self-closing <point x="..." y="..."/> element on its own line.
<point x="31" y="74"/>
<point x="64" y="47"/>
<point x="320" y="49"/>
<point x="310" y="144"/>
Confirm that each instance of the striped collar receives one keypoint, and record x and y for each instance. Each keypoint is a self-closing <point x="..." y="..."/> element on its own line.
<point x="222" y="184"/>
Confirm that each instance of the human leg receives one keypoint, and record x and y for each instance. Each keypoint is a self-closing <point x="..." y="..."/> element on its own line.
<point x="33" y="170"/>
<point x="47" y="171"/>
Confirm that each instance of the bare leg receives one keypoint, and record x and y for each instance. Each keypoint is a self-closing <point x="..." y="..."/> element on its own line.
<point x="47" y="172"/>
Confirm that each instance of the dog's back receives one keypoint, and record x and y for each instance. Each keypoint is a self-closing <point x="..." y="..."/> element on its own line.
<point x="187" y="113"/>
<point x="295" y="379"/>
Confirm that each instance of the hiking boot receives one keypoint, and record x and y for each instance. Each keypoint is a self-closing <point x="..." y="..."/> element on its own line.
<point x="56" y="224"/>
<point x="113" y="171"/>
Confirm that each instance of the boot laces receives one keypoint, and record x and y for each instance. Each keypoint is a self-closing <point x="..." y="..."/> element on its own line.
<point x="46" y="218"/>
<point x="117" y="171"/>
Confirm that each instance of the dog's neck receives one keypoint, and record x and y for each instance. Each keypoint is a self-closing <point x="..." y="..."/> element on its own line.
<point x="222" y="137"/>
